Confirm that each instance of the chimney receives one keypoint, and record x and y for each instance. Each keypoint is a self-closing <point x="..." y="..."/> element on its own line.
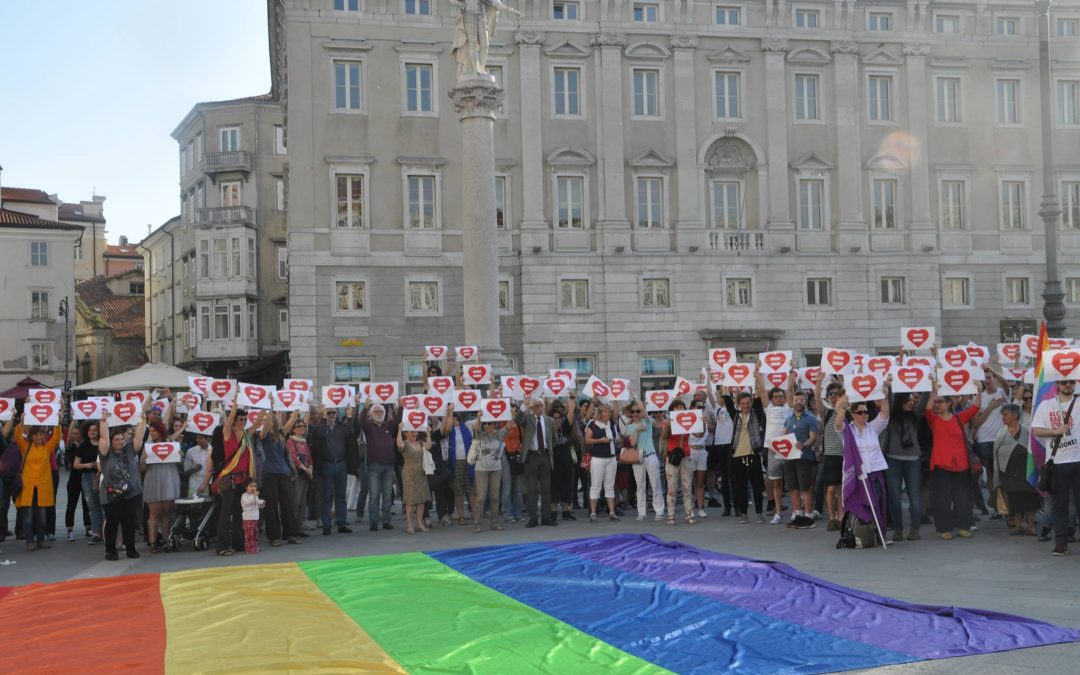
<point x="123" y="240"/>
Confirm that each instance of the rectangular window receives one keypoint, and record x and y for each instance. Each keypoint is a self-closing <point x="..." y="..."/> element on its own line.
<point x="39" y="254"/>
<point x="1012" y="205"/>
<point x="253" y="320"/>
<point x="581" y="365"/>
<point x="40" y="356"/>
<point x="819" y="291"/>
<point x="1070" y="204"/>
<point x="351" y="296"/>
<point x="811" y="204"/>
<point x="350" y="200"/>
<point x="204" y="320"/>
<point x="221" y="258"/>
<point x="880" y="99"/>
<point x="952" y="205"/>
<point x="418" y="7"/>
<point x="77" y="252"/>
<point x="200" y="196"/>
<point x="1007" y="25"/>
<point x="727" y="15"/>
<point x="726" y="205"/>
<point x="191" y="155"/>
<point x="424" y="296"/>
<point x="421" y="201"/>
<point x="656" y="293"/>
<point x="283" y="325"/>
<point x="230" y="139"/>
<point x="1068" y="92"/>
<point x="567" y="93"/>
<point x="739" y="292"/>
<point x="807" y="18"/>
<point x="565" y="10"/>
<point x="570" y="192"/>
<point x="418" y="88"/>
<point x="806" y="97"/>
<point x="279" y="194"/>
<point x="646" y="12"/>
<point x="646" y="92"/>
<point x="415" y="376"/>
<point x="39" y="305"/>
<point x="884" y="201"/>
<point x="893" y="291"/>
<point x="497" y="72"/>
<point x="1072" y="290"/>
<point x="1008" y="101"/>
<point x="947" y="23"/>
<point x="956" y="292"/>
<point x="1017" y="291"/>
<point x="1068" y="27"/>
<point x="204" y="259"/>
<point x="279" y="139"/>
<point x="948" y="99"/>
<point x="346" y="86"/>
<point x="282" y="262"/>
<point x="504" y="296"/>
<point x="221" y="322"/>
<point x="231" y="193"/>
<point x="234" y="257"/>
<point x="650" y="202"/>
<point x="183" y="161"/>
<point x="352" y="371"/>
<point x="878" y="22"/>
<point x="252" y="271"/>
<point x="727" y="95"/>
<point x="657" y="372"/>
<point x="347" y="5"/>
<point x="237" y="321"/>
<point x="500" y="203"/>
<point x="198" y="147"/>
<point x="574" y="294"/>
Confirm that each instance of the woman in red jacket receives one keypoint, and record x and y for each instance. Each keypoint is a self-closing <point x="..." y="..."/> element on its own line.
<point x="950" y="465"/>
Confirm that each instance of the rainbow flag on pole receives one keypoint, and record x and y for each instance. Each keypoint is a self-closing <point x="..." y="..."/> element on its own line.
<point x="1043" y="390"/>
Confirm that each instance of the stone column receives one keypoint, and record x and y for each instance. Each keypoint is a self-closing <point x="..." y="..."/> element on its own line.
<point x="922" y="225"/>
<point x="476" y="100"/>
<point x="534" y="227"/>
<point x="613" y="227"/>
<point x="848" y="146"/>
<point x="689" y="227"/>
<point x="776" y="124"/>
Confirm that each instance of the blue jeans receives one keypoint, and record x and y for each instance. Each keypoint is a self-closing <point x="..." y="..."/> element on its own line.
<point x="908" y="471"/>
<point x="90" y="494"/>
<point x="510" y="491"/>
<point x="381" y="479"/>
<point x="33" y="519"/>
<point x="332" y="490"/>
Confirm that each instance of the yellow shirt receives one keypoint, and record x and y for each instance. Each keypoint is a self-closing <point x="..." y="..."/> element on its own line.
<point x="742" y="445"/>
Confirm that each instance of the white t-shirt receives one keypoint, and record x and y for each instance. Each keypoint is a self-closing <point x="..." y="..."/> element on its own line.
<point x="993" y="423"/>
<point x="196" y="456"/>
<point x="1051" y="414"/>
<point x="725" y="427"/>
<point x="775" y="418"/>
<point x="869" y="447"/>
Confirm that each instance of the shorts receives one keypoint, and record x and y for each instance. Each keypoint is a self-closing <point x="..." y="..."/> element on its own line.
<point x="718" y="457"/>
<point x="799" y="474"/>
<point x="462" y="485"/>
<point x="834" y="470"/>
<point x="699" y="458"/>
<point x="774" y="470"/>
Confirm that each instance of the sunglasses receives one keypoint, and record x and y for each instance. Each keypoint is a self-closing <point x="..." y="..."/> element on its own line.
<point x="1067" y="382"/>
<point x="860" y="412"/>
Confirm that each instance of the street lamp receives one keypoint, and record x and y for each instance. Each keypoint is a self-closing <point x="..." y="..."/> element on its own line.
<point x="65" y="314"/>
<point x="1049" y="208"/>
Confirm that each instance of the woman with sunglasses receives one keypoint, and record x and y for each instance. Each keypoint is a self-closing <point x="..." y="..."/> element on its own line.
<point x="865" y="433"/>
<point x="1010" y="470"/>
<point x="640" y="432"/>
<point x="951" y="463"/>
<point x="300" y="454"/>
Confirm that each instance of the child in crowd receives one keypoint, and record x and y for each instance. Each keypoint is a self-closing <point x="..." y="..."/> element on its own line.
<point x="250" y="505"/>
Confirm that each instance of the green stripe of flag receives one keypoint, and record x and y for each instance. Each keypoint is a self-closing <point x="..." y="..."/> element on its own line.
<point x="432" y="619"/>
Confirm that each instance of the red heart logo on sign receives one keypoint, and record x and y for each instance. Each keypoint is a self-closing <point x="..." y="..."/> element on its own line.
<point x="683" y="387"/>
<point x="299" y="385"/>
<point x="956" y="357"/>
<point x="477" y="373"/>
<point x="125" y="411"/>
<point x="162" y="450"/>
<point x="909" y="376"/>
<point x="880" y="364"/>
<point x="617" y="388"/>
<point x="202" y="421"/>
<point x="775" y="360"/>
<point x="563" y="375"/>
<point x="287" y="398"/>
<point x="864" y="384"/>
<point x="738" y="372"/>
<point x="599" y="389"/>
<point x="436" y="352"/>
<point x="1033" y="344"/>
<point x="432" y="403"/>
<point x="918" y="361"/>
<point x="466" y="352"/>
<point x="416" y="418"/>
<point x="776" y="379"/>
<point x="384" y="391"/>
<point x="410" y="402"/>
<point x="221" y="387"/>
<point x="956" y="379"/>
<point x="441" y="384"/>
<point x="686" y="419"/>
<point x="1066" y="362"/>
<point x="660" y="399"/>
<point x="975" y="352"/>
<point x="255" y="394"/>
<point x="782" y="446"/>
<point x="496" y="407"/>
<point x="87" y="408"/>
<point x="200" y="384"/>
<point x="528" y="385"/>
<point x="467" y="398"/>
<point x="510" y="382"/>
<point x="46" y="396"/>
<point x="137" y="396"/>
<point x="1057" y="343"/>
<point x="1011" y="351"/>
<point x="813" y="375"/>
<point x="253" y="417"/>
<point x="838" y="360"/>
<point x="918" y="336"/>
<point x="1016" y="374"/>
<point x="4" y="405"/>
<point x="556" y="386"/>
<point x="40" y="412"/>
<point x="716" y="376"/>
<point x="189" y="400"/>
<point x="721" y="357"/>
<point x="336" y="395"/>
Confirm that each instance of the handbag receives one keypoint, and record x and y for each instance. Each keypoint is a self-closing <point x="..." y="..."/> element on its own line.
<point x="224" y="482"/>
<point x="630" y="456"/>
<point x="1046" y="473"/>
<point x="474" y="452"/>
<point x="1001" y="500"/>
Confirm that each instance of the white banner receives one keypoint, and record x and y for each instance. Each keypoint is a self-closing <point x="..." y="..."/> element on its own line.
<point x="411" y="402"/>
<point x="864" y="387"/>
<point x="1062" y="364"/>
<point x="89" y="409"/>
<point x="687" y="422"/>
<point x="1009" y="354"/>
<point x="529" y="386"/>
<point x="476" y="374"/>
<point x="288" y="400"/>
<point x="202" y="423"/>
<point x="495" y="410"/>
<point x="739" y="375"/>
<point x="166" y="452"/>
<point x="955" y="357"/>
<point x="220" y="390"/>
<point x="563" y="373"/>
<point x="879" y="364"/>
<point x="910" y="379"/>
<point x="917" y="338"/>
<point x="808" y="377"/>
<point x="978" y="353"/>
<point x="414" y="420"/>
<point x="467" y="400"/>
<point x="778" y="378"/>
<point x="683" y="386"/>
<point x="122" y="413"/>
<point x="139" y="396"/>
<point x="43" y="396"/>
<point x="928" y="362"/>
<point x="384" y="392"/>
<point x="837" y="361"/>
<point x="658" y="400"/>
<point x="433" y="405"/>
<point x="337" y="395"/>
<point x="256" y="396"/>
<point x="41" y="414"/>
<point x="510" y="387"/>
<point x="252" y="418"/>
<point x="1015" y="374"/>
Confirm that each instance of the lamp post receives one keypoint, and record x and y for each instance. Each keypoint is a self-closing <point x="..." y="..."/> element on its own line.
<point x="65" y="314"/>
<point x="1049" y="207"/>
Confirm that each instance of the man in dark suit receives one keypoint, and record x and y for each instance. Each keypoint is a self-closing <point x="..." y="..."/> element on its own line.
<point x="537" y="441"/>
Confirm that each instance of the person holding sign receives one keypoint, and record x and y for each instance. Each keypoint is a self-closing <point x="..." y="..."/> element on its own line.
<point x="234" y="464"/>
<point x="277" y="470"/>
<point x="904" y="457"/>
<point x="777" y="411"/>
<point x="680" y="468"/>
<point x="37" y="445"/>
<point x="600" y="440"/>
<point x="748" y="444"/>
<point x="951" y="463"/>
<point x="853" y="421"/>
<point x="121" y="485"/>
<point x="799" y="467"/>
<point x="161" y="484"/>
<point x="487" y="467"/>
<point x="1058" y="418"/>
<point x="413" y="479"/>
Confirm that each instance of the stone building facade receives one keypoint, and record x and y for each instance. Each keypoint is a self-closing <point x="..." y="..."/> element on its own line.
<point x="674" y="175"/>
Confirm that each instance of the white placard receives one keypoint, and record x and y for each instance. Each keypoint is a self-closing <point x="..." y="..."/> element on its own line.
<point x="917" y="338"/>
<point x="200" y="385"/>
<point x="202" y="422"/>
<point x="138" y="395"/>
<point x="785" y="445"/>
<point x="433" y="405"/>
<point x="809" y="376"/>
<point x="43" y="396"/>
<point x="7" y="409"/>
<point x="658" y="400"/>
<point x="879" y="364"/>
<point x="721" y="357"/>
<point x="256" y="396"/>
<point x="864" y="387"/>
<point x="739" y="375"/>
<point x="1061" y="364"/>
<point x="771" y="362"/>
<point x="414" y="420"/>
<point x="187" y="402"/>
<point x="288" y="400"/>
<point x="620" y="389"/>
<point x="563" y="373"/>
<point x="41" y="414"/>
<point x="510" y="388"/>
<point x="978" y="353"/>
<point x="298" y="384"/>
<point x="837" y="361"/>
<point x="928" y="362"/>
<point x="363" y="392"/>
<point x="123" y="413"/>
<point x="530" y="386"/>
<point x="466" y="353"/>
<point x="411" y="402"/>
<point x="220" y="390"/>
<point x="1015" y="374"/>
<point x="777" y="378"/>
<point x="683" y="386"/>
<point x="467" y="400"/>
<point x="88" y="409"/>
<point x="252" y="417"/>
<point x="384" y="392"/>
<point x="336" y="396"/>
<point x="956" y="381"/>
<point x="557" y="387"/>
<point x="435" y="352"/>
<point x="476" y="374"/>
<point x="687" y="422"/>
<point x="955" y="357"/>
<point x="441" y="385"/>
<point x="1009" y="353"/>
<point x="1029" y="376"/>
<point x="165" y="452"/>
<point x="595" y="388"/>
<point x="910" y="379"/>
<point x="495" y="410"/>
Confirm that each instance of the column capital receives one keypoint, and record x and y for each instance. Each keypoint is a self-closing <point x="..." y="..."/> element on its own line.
<point x="916" y="49"/>
<point x="476" y="97"/>
<point x="774" y="45"/>
<point x="684" y="41"/>
<point x="530" y="37"/>
<point x="608" y="39"/>
<point x="844" y="47"/>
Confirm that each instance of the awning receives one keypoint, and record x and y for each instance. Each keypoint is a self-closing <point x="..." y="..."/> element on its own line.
<point x="148" y="376"/>
<point x="20" y="390"/>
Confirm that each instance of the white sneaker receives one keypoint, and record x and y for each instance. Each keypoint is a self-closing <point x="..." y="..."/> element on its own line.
<point x="702" y="514"/>
<point x="776" y="519"/>
<point x="659" y="517"/>
<point x="71" y="536"/>
<point x="816" y="515"/>
<point x="794" y="515"/>
<point x="641" y="516"/>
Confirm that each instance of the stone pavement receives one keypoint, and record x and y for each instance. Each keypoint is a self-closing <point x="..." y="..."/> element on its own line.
<point x="990" y="571"/>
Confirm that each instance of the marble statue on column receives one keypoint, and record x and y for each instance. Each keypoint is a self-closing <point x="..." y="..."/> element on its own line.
<point x="475" y="28"/>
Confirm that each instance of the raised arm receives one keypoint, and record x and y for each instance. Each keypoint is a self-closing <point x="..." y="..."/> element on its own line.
<point x="139" y="434"/>
<point x="571" y="408"/>
<point x="289" y="423"/>
<point x="839" y="420"/>
<point x="762" y="391"/>
<point x="266" y="424"/>
<point x="103" y="438"/>
<point x="226" y="431"/>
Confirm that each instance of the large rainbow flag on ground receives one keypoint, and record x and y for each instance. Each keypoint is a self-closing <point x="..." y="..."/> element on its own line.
<point x="1043" y="391"/>
<point x="618" y="604"/>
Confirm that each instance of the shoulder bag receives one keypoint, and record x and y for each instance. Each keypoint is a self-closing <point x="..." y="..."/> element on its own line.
<point x="223" y="482"/>
<point x="1046" y="473"/>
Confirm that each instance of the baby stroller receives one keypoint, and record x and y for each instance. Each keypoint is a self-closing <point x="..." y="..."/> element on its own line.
<point x="192" y="523"/>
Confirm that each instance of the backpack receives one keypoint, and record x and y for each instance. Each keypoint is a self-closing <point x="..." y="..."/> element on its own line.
<point x="856" y="533"/>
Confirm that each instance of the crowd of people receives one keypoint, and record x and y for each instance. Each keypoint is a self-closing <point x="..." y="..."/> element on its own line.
<point x="284" y="475"/>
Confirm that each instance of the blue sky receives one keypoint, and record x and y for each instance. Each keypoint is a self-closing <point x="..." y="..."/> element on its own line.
<point x="91" y="89"/>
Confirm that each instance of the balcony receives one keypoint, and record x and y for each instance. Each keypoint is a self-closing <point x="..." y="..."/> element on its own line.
<point x="224" y="162"/>
<point x="737" y="242"/>
<point x="225" y="215"/>
<point x="213" y="350"/>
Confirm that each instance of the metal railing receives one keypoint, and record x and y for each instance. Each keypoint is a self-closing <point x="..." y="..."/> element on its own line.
<point x="737" y="242"/>
<point x="225" y="215"/>
<point x="227" y="161"/>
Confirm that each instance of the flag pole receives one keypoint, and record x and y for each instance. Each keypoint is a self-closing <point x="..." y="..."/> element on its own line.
<point x="873" y="512"/>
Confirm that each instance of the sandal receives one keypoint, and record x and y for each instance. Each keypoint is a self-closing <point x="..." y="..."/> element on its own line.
<point x="461" y="520"/>
<point x="671" y="520"/>
<point x="476" y="527"/>
<point x="409" y="530"/>
<point x="689" y="520"/>
<point x="227" y="551"/>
